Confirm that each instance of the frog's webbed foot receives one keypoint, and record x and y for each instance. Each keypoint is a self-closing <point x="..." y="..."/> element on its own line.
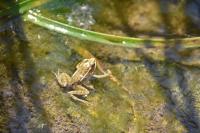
<point x="106" y="74"/>
<point x="81" y="91"/>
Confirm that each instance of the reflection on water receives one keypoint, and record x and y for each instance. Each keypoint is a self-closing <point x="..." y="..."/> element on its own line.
<point x="81" y="16"/>
<point x="145" y="94"/>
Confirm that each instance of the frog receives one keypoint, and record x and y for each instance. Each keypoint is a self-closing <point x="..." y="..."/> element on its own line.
<point x="84" y="71"/>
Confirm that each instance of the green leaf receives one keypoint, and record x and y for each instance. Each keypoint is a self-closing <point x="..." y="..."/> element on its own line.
<point x="107" y="38"/>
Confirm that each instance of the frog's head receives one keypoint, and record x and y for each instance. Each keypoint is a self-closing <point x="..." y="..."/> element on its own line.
<point x="89" y="63"/>
<point x="92" y="61"/>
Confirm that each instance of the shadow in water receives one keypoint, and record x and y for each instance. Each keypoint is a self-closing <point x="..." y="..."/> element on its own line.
<point x="172" y="78"/>
<point x="169" y="75"/>
<point x="180" y="97"/>
<point x="23" y="78"/>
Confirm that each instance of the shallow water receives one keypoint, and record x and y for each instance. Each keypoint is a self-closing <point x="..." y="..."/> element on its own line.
<point x="147" y="92"/>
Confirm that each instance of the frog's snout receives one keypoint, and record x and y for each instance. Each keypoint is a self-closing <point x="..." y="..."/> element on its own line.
<point x="92" y="61"/>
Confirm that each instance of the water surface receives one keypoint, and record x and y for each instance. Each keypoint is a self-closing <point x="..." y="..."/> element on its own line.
<point x="147" y="92"/>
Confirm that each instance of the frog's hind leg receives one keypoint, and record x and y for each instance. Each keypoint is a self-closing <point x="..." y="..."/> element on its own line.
<point x="81" y="91"/>
<point x="91" y="87"/>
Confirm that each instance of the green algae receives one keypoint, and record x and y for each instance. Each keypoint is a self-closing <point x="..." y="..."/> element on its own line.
<point x="113" y="109"/>
<point x="4" y="118"/>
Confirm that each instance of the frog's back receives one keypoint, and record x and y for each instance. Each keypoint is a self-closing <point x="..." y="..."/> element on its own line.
<point x="81" y="74"/>
<point x="84" y="70"/>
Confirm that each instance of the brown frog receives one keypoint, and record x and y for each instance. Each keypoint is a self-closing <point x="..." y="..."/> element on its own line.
<point x="84" y="70"/>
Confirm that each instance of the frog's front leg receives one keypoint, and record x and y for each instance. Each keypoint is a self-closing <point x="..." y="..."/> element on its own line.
<point x="81" y="91"/>
<point x="106" y="74"/>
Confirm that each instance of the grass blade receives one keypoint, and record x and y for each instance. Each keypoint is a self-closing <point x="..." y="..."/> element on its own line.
<point x="107" y="38"/>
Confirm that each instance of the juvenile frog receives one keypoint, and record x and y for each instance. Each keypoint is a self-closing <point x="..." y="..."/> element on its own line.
<point x="84" y="70"/>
